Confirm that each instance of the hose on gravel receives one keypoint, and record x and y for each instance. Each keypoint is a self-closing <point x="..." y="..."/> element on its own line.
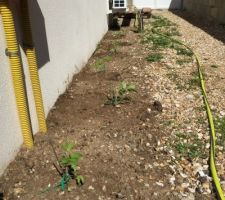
<point x="213" y="170"/>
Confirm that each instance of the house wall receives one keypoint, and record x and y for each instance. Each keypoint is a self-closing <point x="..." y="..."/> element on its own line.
<point x="65" y="34"/>
<point x="208" y="9"/>
<point x="158" y="4"/>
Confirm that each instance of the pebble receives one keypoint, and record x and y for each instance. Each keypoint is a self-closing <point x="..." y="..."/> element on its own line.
<point x="160" y="184"/>
<point x="120" y="196"/>
<point x="147" y="185"/>
<point x="172" y="180"/>
<point x="222" y="113"/>
<point x="91" y="187"/>
<point x="104" y="188"/>
<point x="189" y="197"/>
<point x="190" y="97"/>
<point x="147" y="144"/>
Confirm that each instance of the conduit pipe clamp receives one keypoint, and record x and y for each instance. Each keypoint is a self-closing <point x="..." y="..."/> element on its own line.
<point x="11" y="53"/>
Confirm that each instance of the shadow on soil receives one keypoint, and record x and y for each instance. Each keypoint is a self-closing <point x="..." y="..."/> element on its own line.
<point x="215" y="30"/>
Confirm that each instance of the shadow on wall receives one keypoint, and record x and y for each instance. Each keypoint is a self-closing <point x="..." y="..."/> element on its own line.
<point x="176" y="5"/>
<point x="212" y="28"/>
<point x="39" y="33"/>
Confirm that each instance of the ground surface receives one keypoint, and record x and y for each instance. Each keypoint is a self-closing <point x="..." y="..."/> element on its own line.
<point x="130" y="150"/>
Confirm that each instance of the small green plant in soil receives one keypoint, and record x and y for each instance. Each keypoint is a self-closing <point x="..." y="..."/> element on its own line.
<point x="120" y="94"/>
<point x="161" y="21"/>
<point x="154" y="57"/>
<point x="183" y="61"/>
<point x="118" y="34"/>
<point x="189" y="146"/>
<point x="69" y="162"/>
<point x="67" y="168"/>
<point x="114" y="47"/>
<point x="193" y="83"/>
<point x="182" y="51"/>
<point x="158" y="41"/>
<point x="100" y="63"/>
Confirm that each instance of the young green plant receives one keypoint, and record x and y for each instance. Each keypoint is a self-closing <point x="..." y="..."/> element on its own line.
<point x="69" y="162"/>
<point x="120" y="94"/>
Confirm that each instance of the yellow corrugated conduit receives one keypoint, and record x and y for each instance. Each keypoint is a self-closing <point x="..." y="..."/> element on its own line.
<point x="33" y="69"/>
<point x="16" y="71"/>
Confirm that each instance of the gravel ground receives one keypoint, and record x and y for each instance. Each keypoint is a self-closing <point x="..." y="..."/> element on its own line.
<point x="186" y="105"/>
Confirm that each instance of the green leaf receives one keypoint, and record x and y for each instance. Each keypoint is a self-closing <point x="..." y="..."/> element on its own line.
<point x="76" y="156"/>
<point x="73" y="166"/>
<point x="80" y="180"/>
<point x="131" y="88"/>
<point x="124" y="85"/>
<point x="67" y="146"/>
<point x="64" y="161"/>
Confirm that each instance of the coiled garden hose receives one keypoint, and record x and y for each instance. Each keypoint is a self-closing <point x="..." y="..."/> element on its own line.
<point x="16" y="70"/>
<point x="209" y="114"/>
<point x="33" y="68"/>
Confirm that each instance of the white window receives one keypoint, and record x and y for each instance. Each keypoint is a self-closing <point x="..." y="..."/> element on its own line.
<point x="119" y="3"/>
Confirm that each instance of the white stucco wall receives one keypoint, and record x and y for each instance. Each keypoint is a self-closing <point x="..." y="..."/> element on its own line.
<point x="73" y="29"/>
<point x="158" y="4"/>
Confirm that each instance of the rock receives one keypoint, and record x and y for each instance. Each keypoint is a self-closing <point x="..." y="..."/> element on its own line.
<point x="18" y="190"/>
<point x="190" y="97"/>
<point x="104" y="188"/>
<point x="157" y="106"/>
<point x="91" y="187"/>
<point x="205" y="185"/>
<point x="172" y="180"/>
<point x="189" y="197"/>
<point x="203" y="179"/>
<point x="222" y="113"/>
<point x="159" y="184"/>
<point x="147" y="185"/>
<point x="119" y="195"/>
<point x="185" y="185"/>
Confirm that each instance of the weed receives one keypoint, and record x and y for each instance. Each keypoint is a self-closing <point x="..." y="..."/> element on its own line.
<point x="201" y="120"/>
<point x="193" y="83"/>
<point x="100" y="63"/>
<point x="119" y="94"/>
<point x="126" y="87"/>
<point x="118" y="34"/>
<point x="183" y="51"/>
<point x="161" y="21"/>
<point x="189" y="146"/>
<point x="154" y="57"/>
<point x="158" y="41"/>
<point x="201" y="108"/>
<point x="169" y="31"/>
<point x="183" y="61"/>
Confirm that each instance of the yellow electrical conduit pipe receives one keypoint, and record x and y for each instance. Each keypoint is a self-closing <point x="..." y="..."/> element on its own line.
<point x="33" y="68"/>
<point x="16" y="71"/>
<point x="210" y="118"/>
